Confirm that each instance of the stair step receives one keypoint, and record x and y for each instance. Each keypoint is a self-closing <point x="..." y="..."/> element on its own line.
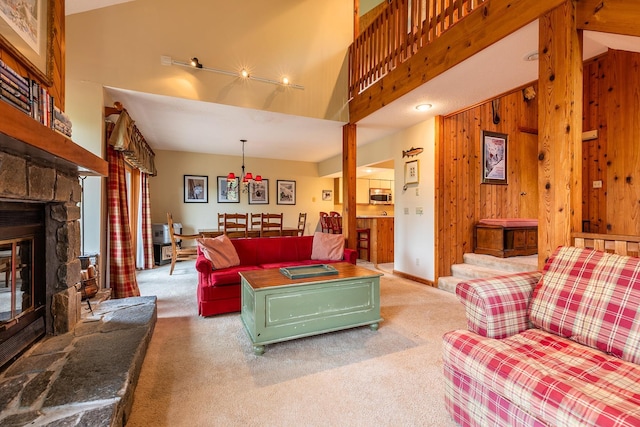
<point x="470" y="271"/>
<point x="514" y="264"/>
<point x="478" y="266"/>
<point x="448" y="283"/>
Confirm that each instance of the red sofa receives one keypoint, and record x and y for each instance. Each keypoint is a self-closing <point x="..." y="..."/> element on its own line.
<point x="219" y="290"/>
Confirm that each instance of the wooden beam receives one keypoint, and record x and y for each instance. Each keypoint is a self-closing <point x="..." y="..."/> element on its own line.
<point x="560" y="129"/>
<point x="611" y="16"/>
<point x="28" y="137"/>
<point x="483" y="27"/>
<point x="349" y="183"/>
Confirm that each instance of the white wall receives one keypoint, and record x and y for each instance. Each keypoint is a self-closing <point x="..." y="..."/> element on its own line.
<point x="414" y="243"/>
<point x="84" y="104"/>
<point x="167" y="190"/>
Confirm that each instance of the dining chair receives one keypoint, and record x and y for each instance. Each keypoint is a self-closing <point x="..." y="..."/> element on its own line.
<point x="335" y="224"/>
<point x="302" y="223"/>
<point x="178" y="253"/>
<point x="271" y="225"/>
<point x="220" y="221"/>
<point x="324" y="222"/>
<point x="256" y="221"/>
<point x="236" y="225"/>
<point x="334" y="213"/>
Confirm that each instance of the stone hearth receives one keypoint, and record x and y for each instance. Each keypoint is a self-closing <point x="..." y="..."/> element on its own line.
<point x="85" y="377"/>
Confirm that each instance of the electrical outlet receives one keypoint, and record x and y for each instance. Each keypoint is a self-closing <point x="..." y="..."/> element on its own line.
<point x="419" y="211"/>
<point x="417" y="261"/>
<point x="417" y="191"/>
<point x="406" y="211"/>
<point x="597" y="184"/>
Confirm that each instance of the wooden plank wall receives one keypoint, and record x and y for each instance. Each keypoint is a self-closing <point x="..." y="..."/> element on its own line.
<point x="462" y="200"/>
<point x="58" y="54"/>
<point x="612" y="106"/>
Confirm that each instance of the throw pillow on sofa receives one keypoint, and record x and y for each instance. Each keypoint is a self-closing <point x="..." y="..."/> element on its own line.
<point x="220" y="251"/>
<point x="327" y="247"/>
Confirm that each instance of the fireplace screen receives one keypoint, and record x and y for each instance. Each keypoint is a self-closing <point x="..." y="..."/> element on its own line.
<point x="16" y="278"/>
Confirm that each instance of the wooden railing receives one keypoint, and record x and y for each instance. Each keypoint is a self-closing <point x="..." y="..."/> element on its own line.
<point x="401" y="30"/>
<point x="614" y="243"/>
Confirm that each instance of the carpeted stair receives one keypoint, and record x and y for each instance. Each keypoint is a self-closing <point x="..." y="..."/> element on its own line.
<point x="478" y="266"/>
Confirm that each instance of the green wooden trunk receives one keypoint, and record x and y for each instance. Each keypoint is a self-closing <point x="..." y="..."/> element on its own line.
<point x="279" y="313"/>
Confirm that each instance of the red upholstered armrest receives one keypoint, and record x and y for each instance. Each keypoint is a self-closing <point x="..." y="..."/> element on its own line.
<point x="497" y="307"/>
<point x="203" y="265"/>
<point x="350" y="255"/>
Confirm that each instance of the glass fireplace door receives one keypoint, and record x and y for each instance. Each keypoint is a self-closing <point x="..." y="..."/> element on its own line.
<point x="16" y="279"/>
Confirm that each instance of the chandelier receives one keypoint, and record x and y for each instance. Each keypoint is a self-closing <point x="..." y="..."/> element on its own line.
<point x="246" y="179"/>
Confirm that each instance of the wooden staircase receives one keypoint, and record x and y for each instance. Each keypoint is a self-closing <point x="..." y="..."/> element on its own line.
<point x="477" y="266"/>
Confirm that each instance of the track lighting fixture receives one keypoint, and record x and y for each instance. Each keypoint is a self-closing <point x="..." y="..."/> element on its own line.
<point x="243" y="73"/>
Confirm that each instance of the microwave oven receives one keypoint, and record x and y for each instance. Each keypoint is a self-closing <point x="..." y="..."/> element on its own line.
<point x="380" y="196"/>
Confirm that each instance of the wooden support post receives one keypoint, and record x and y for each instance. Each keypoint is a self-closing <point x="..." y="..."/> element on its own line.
<point x="560" y="129"/>
<point x="349" y="184"/>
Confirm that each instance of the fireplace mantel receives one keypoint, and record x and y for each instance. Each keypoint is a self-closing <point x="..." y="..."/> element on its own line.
<point x="22" y="134"/>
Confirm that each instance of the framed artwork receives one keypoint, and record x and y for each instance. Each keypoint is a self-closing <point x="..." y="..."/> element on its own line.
<point x="25" y="32"/>
<point x="228" y="193"/>
<point x="327" y="195"/>
<point x="196" y="188"/>
<point x="494" y="158"/>
<point x="259" y="192"/>
<point x="286" y="192"/>
<point x="411" y="172"/>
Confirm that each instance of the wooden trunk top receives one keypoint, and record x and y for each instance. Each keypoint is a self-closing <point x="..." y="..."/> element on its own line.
<point x="271" y="277"/>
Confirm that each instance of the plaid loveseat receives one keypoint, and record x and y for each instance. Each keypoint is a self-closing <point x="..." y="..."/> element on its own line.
<point x="559" y="347"/>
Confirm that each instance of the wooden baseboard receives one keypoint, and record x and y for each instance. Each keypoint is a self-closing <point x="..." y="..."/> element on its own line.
<point x="414" y="278"/>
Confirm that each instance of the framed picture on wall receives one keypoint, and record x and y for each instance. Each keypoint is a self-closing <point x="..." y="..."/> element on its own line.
<point x="327" y="195"/>
<point x="494" y="158"/>
<point x="25" y="33"/>
<point x="259" y="192"/>
<point x="196" y="189"/>
<point x="411" y="172"/>
<point x="228" y="191"/>
<point x="286" y="192"/>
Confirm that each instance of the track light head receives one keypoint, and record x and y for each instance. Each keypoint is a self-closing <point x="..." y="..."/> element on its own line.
<point x="195" y="62"/>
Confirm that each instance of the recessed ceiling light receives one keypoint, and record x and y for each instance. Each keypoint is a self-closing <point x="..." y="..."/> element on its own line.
<point x="533" y="56"/>
<point x="423" y="107"/>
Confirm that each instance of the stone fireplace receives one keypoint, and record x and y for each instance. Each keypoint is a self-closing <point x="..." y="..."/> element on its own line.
<point x="36" y="188"/>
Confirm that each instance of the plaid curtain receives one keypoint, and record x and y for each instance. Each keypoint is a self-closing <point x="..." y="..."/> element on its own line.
<point x="122" y="264"/>
<point x="147" y="238"/>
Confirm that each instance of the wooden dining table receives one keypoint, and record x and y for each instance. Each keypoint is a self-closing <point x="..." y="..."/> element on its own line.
<point x="252" y="232"/>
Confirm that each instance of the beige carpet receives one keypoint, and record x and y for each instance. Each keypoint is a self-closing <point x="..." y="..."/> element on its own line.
<point x="202" y="371"/>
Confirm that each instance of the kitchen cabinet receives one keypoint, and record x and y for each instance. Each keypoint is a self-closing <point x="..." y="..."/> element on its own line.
<point x="381" y="237"/>
<point x="381" y="183"/>
<point x="362" y="191"/>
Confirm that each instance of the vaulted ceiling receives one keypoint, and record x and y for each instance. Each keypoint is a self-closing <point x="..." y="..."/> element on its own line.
<point x="182" y="124"/>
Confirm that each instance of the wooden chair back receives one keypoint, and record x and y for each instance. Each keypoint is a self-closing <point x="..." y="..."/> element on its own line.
<point x="302" y="223"/>
<point x="178" y="253"/>
<point x="236" y="225"/>
<point x="220" y="221"/>
<point x="256" y="221"/>
<point x="271" y="225"/>
<point x="324" y="222"/>
<point x="335" y="224"/>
